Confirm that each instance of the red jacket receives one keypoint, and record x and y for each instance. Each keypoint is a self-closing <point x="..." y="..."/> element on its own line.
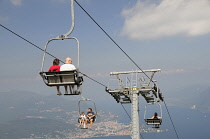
<point x="54" y="68"/>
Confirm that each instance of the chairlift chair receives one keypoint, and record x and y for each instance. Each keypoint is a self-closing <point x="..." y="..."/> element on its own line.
<point x="87" y="100"/>
<point x="94" y="110"/>
<point x="153" y="121"/>
<point x="63" y="78"/>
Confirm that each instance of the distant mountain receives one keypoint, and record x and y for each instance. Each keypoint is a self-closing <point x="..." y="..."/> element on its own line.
<point x="33" y="128"/>
<point x="15" y="105"/>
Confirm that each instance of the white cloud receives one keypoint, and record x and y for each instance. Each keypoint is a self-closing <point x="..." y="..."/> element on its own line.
<point x="147" y="20"/>
<point x="16" y="2"/>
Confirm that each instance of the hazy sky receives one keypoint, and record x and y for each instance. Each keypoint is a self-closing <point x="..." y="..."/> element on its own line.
<point x="171" y="35"/>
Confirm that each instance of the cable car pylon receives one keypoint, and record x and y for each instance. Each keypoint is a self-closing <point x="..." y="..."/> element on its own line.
<point x="128" y="91"/>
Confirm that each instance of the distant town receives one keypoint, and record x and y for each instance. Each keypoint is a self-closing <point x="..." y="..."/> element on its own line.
<point x="106" y="126"/>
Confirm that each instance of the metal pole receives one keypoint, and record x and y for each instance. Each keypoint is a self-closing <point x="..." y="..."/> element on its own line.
<point x="72" y="19"/>
<point x="135" y="115"/>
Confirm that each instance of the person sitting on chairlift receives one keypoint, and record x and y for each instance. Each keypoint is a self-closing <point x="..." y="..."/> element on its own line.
<point x="156" y="117"/>
<point x="82" y="119"/>
<point x="90" y="118"/>
<point x="54" y="68"/>
<point x="68" y="66"/>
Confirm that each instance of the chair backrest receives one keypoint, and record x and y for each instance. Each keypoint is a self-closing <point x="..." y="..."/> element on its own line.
<point x="61" y="78"/>
<point x="153" y="121"/>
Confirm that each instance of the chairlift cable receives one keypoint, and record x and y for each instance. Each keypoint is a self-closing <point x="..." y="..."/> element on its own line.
<point x="171" y="119"/>
<point x="47" y="52"/>
<point x="93" y="79"/>
<point x="26" y="40"/>
<point x="130" y="117"/>
<point x="126" y="111"/>
<point x="113" y="41"/>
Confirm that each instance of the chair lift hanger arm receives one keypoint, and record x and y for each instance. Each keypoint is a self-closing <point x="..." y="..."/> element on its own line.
<point x="45" y="50"/>
<point x="65" y="36"/>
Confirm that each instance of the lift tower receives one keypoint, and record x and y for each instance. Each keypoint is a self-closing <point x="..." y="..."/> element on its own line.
<point x="128" y="91"/>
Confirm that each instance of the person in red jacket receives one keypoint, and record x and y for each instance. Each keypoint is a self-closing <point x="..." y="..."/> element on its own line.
<point x="55" y="67"/>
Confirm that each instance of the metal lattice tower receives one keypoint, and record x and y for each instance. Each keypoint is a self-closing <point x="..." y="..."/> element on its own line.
<point x="128" y="92"/>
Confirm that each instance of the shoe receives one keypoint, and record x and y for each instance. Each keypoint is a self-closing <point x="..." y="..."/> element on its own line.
<point x="76" y="92"/>
<point x="59" y="93"/>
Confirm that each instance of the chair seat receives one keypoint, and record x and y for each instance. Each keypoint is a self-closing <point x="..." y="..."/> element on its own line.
<point x="153" y="121"/>
<point x="61" y="78"/>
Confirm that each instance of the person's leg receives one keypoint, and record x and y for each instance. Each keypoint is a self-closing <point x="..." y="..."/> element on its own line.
<point x="66" y="90"/>
<point x="91" y="123"/>
<point x="71" y="88"/>
<point x="86" y="123"/>
<point x="58" y="90"/>
<point x="83" y="122"/>
<point x="80" y="123"/>
<point x="78" y="89"/>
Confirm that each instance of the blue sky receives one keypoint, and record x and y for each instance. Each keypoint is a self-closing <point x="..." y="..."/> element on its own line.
<point x="169" y="35"/>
